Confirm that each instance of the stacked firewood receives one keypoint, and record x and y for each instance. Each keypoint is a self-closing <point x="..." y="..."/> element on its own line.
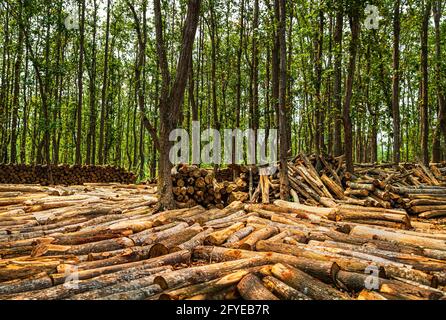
<point x="197" y="186"/>
<point x="63" y="174"/>
<point x="317" y="181"/>
<point x="106" y="242"/>
<point x="416" y="188"/>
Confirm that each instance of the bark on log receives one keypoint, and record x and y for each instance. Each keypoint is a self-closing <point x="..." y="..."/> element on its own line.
<point x="282" y="290"/>
<point x="306" y="284"/>
<point x="204" y="288"/>
<point x="251" y="288"/>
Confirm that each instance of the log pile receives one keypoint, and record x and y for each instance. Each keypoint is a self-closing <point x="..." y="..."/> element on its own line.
<point x="318" y="181"/>
<point x="107" y="242"/>
<point x="63" y="174"/>
<point x="197" y="186"/>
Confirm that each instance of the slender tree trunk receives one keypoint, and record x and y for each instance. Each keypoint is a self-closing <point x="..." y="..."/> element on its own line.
<point x="25" y="114"/>
<point x="16" y="97"/>
<point x="396" y="84"/>
<point x="281" y="34"/>
<point x="214" y="53"/>
<point x="337" y="86"/>
<point x="424" y="102"/>
<point x="318" y="46"/>
<point x="254" y="77"/>
<point x="104" y="87"/>
<point x="348" y="141"/>
<point x="4" y="90"/>
<point x="91" y="137"/>
<point x="439" y="77"/>
<point x="80" y="85"/>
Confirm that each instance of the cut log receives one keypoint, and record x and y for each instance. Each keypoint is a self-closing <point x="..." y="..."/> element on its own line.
<point x="170" y="259"/>
<point x="219" y="237"/>
<point x="282" y="290"/>
<point x="137" y="294"/>
<point x="205" y="273"/>
<point x="251" y="288"/>
<point x="131" y="285"/>
<point x="306" y="284"/>
<point x="163" y="247"/>
<point x="250" y="242"/>
<point x="204" y="288"/>
<point x="323" y="270"/>
<point x="372" y="233"/>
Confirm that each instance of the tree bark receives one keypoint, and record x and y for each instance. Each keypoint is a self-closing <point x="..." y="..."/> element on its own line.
<point x="80" y="85"/>
<point x="172" y="95"/>
<point x="424" y="85"/>
<point x="337" y="86"/>
<point x="355" y="29"/>
<point x="396" y="83"/>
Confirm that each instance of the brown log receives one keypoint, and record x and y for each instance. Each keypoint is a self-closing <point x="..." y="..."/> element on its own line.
<point x="370" y="295"/>
<point x="333" y="187"/>
<point x="433" y="214"/>
<point x="163" y="247"/>
<point x="194" y="275"/>
<point x="305" y="209"/>
<point x="323" y="270"/>
<point x="170" y="259"/>
<point x="219" y="237"/>
<point x="250" y="242"/>
<point x="130" y="285"/>
<point x="373" y="233"/>
<point x="36" y="282"/>
<point x="239" y="235"/>
<point x="137" y="294"/>
<point x="66" y="290"/>
<point x="195" y="241"/>
<point x="204" y="288"/>
<point x="357" y="282"/>
<point x="251" y="288"/>
<point x="306" y="284"/>
<point x="282" y="290"/>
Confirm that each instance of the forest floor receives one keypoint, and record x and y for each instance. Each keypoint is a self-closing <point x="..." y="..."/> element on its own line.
<point x="106" y="241"/>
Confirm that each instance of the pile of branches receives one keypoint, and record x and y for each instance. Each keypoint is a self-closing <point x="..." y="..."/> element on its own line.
<point x="107" y="243"/>
<point x="211" y="189"/>
<point x="63" y="174"/>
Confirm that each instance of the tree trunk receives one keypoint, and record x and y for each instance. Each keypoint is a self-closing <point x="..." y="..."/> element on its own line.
<point x="15" y="103"/>
<point x="283" y="146"/>
<point x="348" y="141"/>
<point x="424" y="85"/>
<point x="91" y="137"/>
<point x="80" y="84"/>
<point x="396" y="83"/>
<point x="104" y="87"/>
<point x="441" y="100"/>
<point x="172" y="95"/>
<point x="337" y="89"/>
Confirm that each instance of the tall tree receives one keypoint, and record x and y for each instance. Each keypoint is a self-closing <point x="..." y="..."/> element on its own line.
<point x="172" y="95"/>
<point x="396" y="83"/>
<point x="16" y="97"/>
<point x="440" y="85"/>
<point x="337" y="86"/>
<point x="424" y="85"/>
<point x="283" y="147"/>
<point x="80" y="83"/>
<point x="318" y="48"/>
<point x="104" y="87"/>
<point x="91" y="137"/>
<point x="355" y="30"/>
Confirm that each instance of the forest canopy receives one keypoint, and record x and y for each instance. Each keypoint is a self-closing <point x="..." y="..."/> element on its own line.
<point x="82" y="82"/>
